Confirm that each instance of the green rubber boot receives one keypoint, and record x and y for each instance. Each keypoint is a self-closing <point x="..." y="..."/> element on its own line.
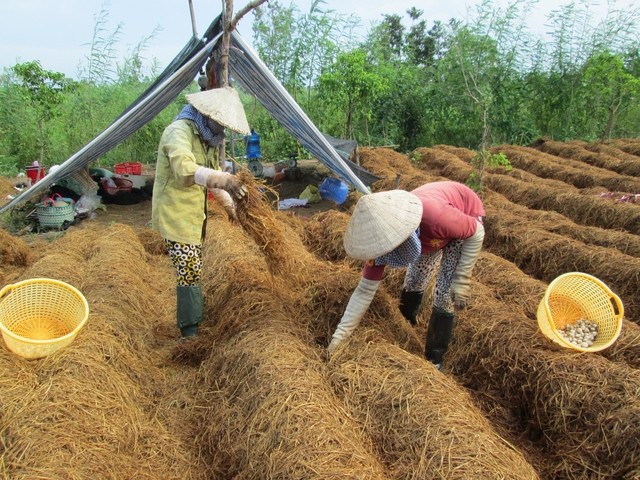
<point x="190" y="309"/>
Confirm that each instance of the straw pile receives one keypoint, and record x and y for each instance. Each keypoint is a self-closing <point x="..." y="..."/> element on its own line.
<point x="576" y="152"/>
<point x="573" y="172"/>
<point x="393" y="169"/>
<point x="630" y="146"/>
<point x="92" y="410"/>
<point x="263" y="402"/>
<point x="523" y="296"/>
<point x="270" y="412"/>
<point x="538" y="193"/>
<point x="6" y="188"/>
<point x="463" y="154"/>
<point x="622" y="150"/>
<point x="582" y="410"/>
<point x="423" y="424"/>
<point x="554" y="222"/>
<point x="13" y="251"/>
<point x="151" y="241"/>
<point x="511" y="286"/>
<point x="323" y="234"/>
<point x="530" y="248"/>
<point x="263" y="337"/>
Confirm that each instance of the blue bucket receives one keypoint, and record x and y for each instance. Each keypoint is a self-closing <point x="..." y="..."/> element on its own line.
<point x="334" y="189"/>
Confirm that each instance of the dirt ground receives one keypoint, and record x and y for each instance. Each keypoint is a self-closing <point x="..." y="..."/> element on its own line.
<point x="307" y="172"/>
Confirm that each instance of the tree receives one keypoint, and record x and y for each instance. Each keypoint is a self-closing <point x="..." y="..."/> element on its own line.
<point x="229" y="23"/>
<point x="296" y="46"/>
<point x="353" y="84"/>
<point x="566" y="108"/>
<point x="43" y="91"/>
<point x="420" y="46"/>
<point x="612" y="88"/>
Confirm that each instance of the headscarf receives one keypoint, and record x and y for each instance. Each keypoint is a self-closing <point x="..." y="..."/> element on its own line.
<point x="203" y="124"/>
<point x="404" y="254"/>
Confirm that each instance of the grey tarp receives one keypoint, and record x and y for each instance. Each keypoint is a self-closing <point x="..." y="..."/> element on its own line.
<point x="257" y="79"/>
<point x="160" y="94"/>
<point x="246" y="68"/>
<point x="348" y="150"/>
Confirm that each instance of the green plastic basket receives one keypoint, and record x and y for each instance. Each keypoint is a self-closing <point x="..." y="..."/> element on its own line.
<point x="52" y="216"/>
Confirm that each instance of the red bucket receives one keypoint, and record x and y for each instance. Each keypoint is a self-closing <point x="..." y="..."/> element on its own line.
<point x="36" y="174"/>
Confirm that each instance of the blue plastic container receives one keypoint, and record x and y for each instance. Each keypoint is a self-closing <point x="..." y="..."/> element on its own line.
<point x="252" y="145"/>
<point x="334" y="189"/>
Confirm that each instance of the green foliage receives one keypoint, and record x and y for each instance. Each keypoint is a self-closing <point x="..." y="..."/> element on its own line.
<point x="48" y="117"/>
<point x="473" y="84"/>
<point x="482" y="161"/>
<point x="41" y="92"/>
<point x="296" y="46"/>
<point x="18" y="218"/>
<point x="351" y="84"/>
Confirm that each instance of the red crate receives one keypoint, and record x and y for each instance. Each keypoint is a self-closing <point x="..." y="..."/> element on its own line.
<point x="131" y="168"/>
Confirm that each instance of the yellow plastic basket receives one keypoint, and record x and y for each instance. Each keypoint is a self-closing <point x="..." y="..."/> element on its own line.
<point x="574" y="296"/>
<point x="40" y="316"/>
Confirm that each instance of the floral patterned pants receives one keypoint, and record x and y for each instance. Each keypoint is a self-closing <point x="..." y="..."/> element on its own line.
<point x="187" y="260"/>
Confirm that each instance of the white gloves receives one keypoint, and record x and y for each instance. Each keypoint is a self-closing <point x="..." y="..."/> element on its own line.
<point x="358" y="304"/>
<point x="213" y="179"/>
<point x="224" y="199"/>
<point x="461" y="283"/>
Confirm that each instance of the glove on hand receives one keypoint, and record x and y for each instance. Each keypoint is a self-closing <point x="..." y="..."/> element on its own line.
<point x="358" y="304"/>
<point x="213" y="179"/>
<point x="461" y="283"/>
<point x="225" y="200"/>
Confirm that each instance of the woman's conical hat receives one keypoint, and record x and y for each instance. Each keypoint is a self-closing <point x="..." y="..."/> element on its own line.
<point x="380" y="222"/>
<point x="222" y="105"/>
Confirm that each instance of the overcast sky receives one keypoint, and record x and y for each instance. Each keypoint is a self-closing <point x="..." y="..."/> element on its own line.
<point x="58" y="33"/>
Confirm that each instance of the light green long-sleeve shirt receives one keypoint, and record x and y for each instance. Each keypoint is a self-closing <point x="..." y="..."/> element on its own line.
<point x="179" y="206"/>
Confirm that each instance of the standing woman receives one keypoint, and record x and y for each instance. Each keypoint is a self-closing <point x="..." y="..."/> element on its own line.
<point x="188" y="165"/>
<point x="434" y="228"/>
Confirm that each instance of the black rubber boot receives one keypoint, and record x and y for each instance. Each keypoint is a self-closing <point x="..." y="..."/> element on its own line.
<point x="410" y="303"/>
<point x="439" y="335"/>
<point x="190" y="309"/>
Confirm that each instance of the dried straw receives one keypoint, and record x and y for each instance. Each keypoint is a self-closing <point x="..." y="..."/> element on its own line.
<point x="269" y="412"/>
<point x="577" y="152"/>
<point x="581" y="409"/>
<point x="152" y="241"/>
<point x="96" y="408"/>
<point x="630" y="146"/>
<point x="511" y="286"/>
<point x="556" y="223"/>
<point x="529" y="248"/>
<point x="538" y="193"/>
<point x="13" y="251"/>
<point x="573" y="172"/>
<point x="6" y="188"/>
<point x="422" y="423"/>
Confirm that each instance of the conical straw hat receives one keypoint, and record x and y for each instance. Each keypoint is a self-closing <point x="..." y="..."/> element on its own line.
<point x="222" y="105"/>
<point x="380" y="222"/>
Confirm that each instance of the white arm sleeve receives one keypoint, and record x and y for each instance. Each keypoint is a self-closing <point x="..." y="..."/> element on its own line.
<point x="358" y="304"/>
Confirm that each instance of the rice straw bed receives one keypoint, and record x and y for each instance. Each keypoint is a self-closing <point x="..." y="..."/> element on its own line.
<point x="91" y="409"/>
<point x="269" y="412"/>
<point x="422" y="423"/>
<point x="577" y="152"/>
<point x="581" y="409"/>
<point x="541" y="194"/>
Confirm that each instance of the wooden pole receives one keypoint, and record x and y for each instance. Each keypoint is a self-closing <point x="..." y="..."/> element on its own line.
<point x="193" y="19"/>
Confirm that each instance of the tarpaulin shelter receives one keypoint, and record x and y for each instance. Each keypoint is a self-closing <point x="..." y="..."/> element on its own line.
<point x="249" y="71"/>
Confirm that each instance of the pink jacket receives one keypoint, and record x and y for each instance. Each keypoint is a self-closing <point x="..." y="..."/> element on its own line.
<point x="449" y="212"/>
